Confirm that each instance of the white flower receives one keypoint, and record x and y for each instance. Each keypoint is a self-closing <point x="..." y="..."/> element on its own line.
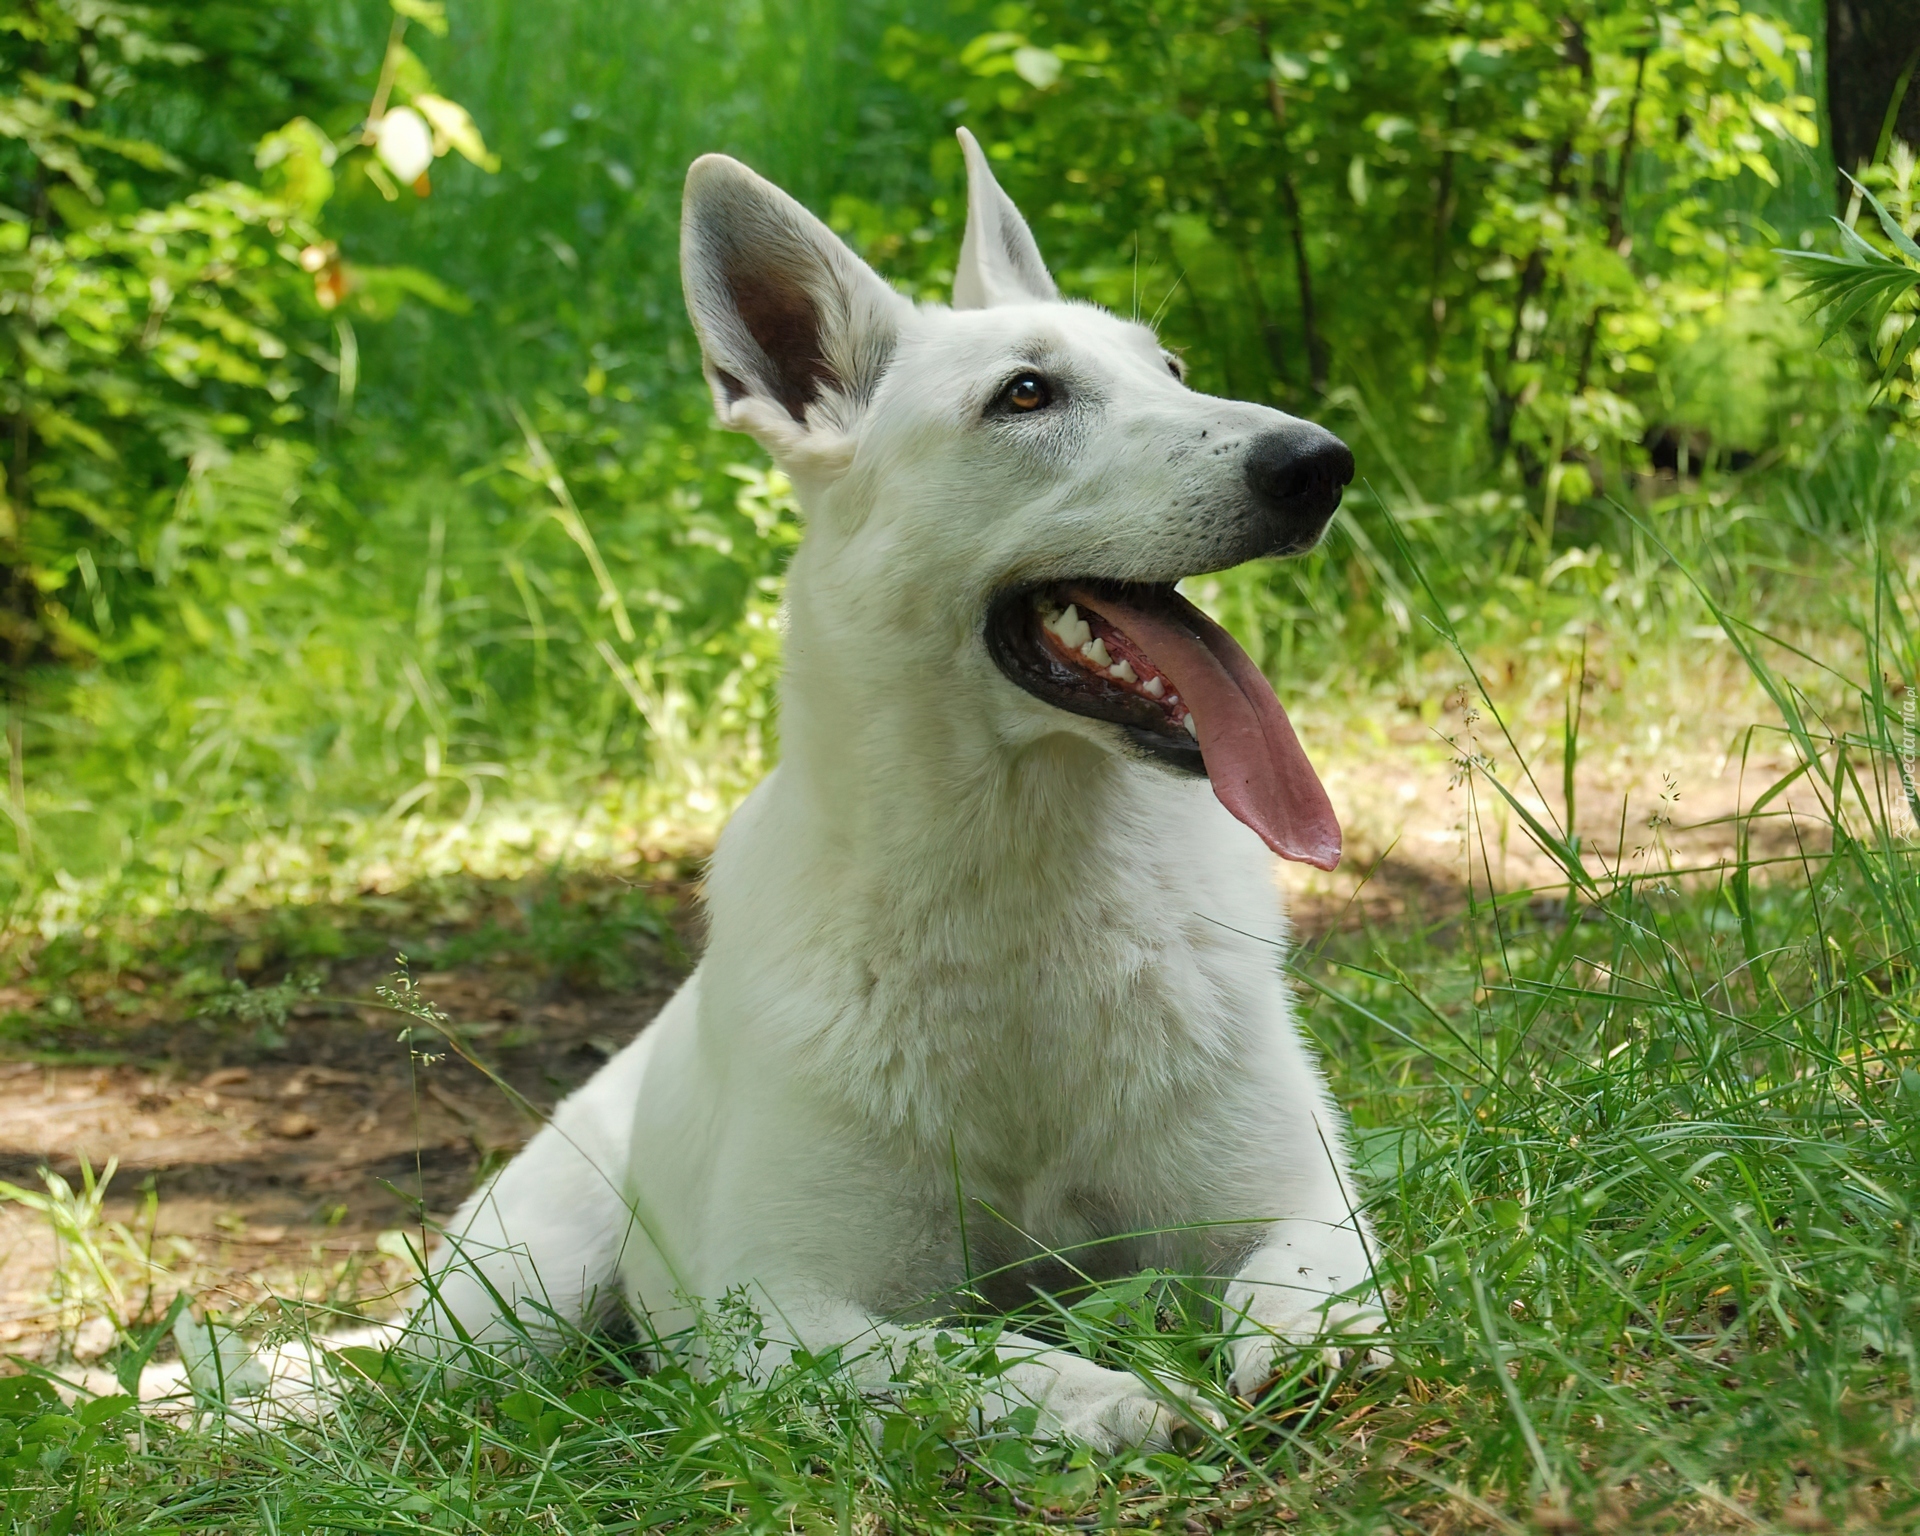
<point x="404" y="144"/>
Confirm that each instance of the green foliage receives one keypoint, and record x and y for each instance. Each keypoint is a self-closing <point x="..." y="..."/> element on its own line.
<point x="500" y="554"/>
<point x="138" y="333"/>
<point x="1870" y="286"/>
<point x="586" y="938"/>
<point x="547" y="572"/>
<point x="154" y="325"/>
<point x="459" y="579"/>
<point x="1504" y="219"/>
<point x="45" y="1443"/>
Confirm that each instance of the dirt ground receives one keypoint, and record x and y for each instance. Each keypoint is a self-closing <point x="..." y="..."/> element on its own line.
<point x="256" y="1163"/>
<point x="260" y="1162"/>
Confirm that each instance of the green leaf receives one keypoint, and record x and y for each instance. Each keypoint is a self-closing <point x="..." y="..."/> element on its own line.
<point x="298" y="160"/>
<point x="1904" y="349"/>
<point x="56" y="90"/>
<point x="522" y="1407"/>
<point x="431" y="14"/>
<point x="133" y="1358"/>
<point x="1864" y="284"/>
<point x="1862" y="250"/>
<point x="410" y="77"/>
<point x="1895" y="233"/>
<point x="454" y="129"/>
<point x="103" y="1408"/>
<point x="1870" y="295"/>
<point x="369" y="1364"/>
<point x="48" y="137"/>
<point x="139" y="151"/>
<point x="27" y="1397"/>
<point x="378" y="291"/>
<point x="1039" y="67"/>
<point x="594" y="1402"/>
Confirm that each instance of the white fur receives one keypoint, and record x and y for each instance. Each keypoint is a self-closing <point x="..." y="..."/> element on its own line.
<point x="958" y="932"/>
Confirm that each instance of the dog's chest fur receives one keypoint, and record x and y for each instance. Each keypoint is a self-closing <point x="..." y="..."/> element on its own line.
<point x="1046" y="1004"/>
<point x="1056" y="1074"/>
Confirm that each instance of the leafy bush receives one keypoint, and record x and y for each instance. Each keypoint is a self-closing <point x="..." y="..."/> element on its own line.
<point x="1501" y="218"/>
<point x="158" y="320"/>
<point x="1876" y="287"/>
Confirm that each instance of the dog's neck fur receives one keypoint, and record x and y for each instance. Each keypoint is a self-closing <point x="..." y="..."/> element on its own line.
<point x="958" y="920"/>
<point x="879" y="725"/>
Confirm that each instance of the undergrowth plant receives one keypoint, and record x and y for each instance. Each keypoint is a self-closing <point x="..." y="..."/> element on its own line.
<point x="94" y="1253"/>
<point x="1869" y="285"/>
<point x="157" y="319"/>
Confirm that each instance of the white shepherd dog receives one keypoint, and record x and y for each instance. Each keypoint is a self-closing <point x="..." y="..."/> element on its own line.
<point x="995" y="949"/>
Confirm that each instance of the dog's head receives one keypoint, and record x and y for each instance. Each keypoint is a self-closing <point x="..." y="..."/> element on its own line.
<point x="1003" y="493"/>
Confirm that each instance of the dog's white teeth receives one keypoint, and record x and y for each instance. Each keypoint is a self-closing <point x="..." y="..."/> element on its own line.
<point x="1073" y="631"/>
<point x="1095" y="651"/>
<point x="1154" y="687"/>
<point x="1122" y="670"/>
<point x="1187" y="721"/>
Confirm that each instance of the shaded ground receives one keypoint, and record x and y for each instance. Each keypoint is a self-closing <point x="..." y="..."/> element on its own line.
<point x="284" y="1127"/>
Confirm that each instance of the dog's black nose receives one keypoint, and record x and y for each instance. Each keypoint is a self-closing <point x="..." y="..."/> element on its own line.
<point x="1296" y="473"/>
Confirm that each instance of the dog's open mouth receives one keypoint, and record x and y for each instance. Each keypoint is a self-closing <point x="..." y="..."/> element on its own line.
<point x="1144" y="658"/>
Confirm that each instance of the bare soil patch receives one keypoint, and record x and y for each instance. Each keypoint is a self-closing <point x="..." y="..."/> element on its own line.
<point x="262" y="1155"/>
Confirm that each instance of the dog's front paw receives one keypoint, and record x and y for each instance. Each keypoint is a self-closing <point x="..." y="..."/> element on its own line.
<point x="1123" y="1413"/>
<point x="1337" y="1332"/>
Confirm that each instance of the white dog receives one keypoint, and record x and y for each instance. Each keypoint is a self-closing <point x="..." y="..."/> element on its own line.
<point x="992" y="988"/>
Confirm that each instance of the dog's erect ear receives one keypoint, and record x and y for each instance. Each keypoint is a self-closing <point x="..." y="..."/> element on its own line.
<point x="999" y="263"/>
<point x="795" y="330"/>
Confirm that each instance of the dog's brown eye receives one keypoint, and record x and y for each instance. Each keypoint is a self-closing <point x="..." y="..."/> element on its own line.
<point x="1177" y="369"/>
<point x="1028" y="392"/>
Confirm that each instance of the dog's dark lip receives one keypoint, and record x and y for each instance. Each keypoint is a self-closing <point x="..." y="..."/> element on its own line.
<point x="1014" y="640"/>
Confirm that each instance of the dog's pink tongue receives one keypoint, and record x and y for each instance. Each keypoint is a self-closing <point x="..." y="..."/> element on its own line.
<point x="1255" y="762"/>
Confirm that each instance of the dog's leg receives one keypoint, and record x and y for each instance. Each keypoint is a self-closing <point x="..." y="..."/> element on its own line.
<point x="536" y="1251"/>
<point x="1310" y="1284"/>
<point x="1077" y="1400"/>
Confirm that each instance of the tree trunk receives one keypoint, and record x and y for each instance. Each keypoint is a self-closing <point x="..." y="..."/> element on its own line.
<point x="1319" y="355"/>
<point x="1872" y="48"/>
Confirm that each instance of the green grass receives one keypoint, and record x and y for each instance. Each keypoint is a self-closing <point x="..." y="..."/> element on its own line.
<point x="1641" y="1151"/>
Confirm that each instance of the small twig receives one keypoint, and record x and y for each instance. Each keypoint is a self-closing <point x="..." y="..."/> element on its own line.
<point x="389" y="67"/>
